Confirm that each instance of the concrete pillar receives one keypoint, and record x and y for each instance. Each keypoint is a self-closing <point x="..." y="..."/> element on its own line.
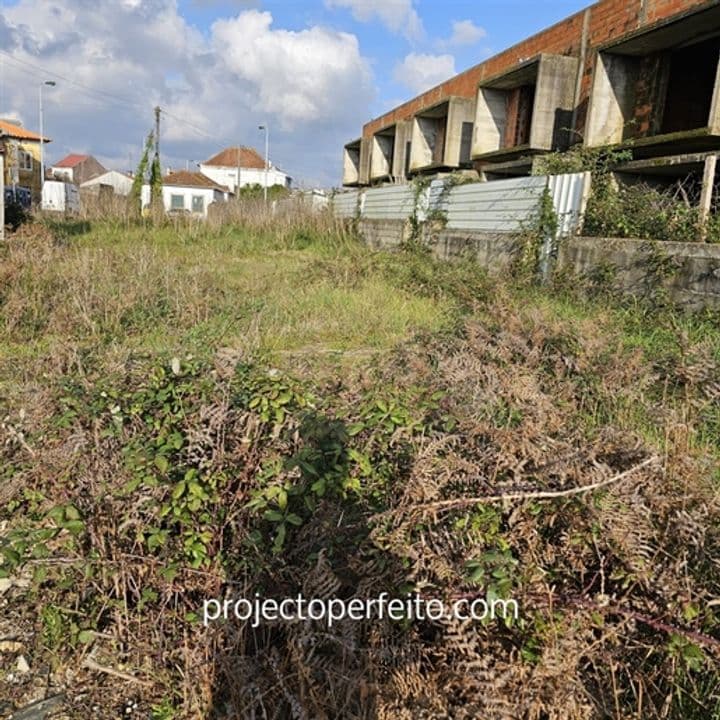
<point x="706" y="194"/>
<point x="714" y="119"/>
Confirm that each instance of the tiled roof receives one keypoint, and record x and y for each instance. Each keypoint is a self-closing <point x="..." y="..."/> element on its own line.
<point x="185" y="178"/>
<point x="71" y="161"/>
<point x="18" y="131"/>
<point x="249" y="158"/>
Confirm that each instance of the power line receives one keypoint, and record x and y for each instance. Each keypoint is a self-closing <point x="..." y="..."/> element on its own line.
<point x="41" y="72"/>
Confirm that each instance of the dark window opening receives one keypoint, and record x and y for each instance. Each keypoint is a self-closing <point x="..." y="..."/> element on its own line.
<point x="466" y="142"/>
<point x="518" y="113"/>
<point x="690" y="85"/>
<point x="438" y="148"/>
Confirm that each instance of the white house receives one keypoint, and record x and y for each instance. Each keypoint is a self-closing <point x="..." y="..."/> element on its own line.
<point x="225" y="167"/>
<point x="118" y="181"/>
<point x="188" y="192"/>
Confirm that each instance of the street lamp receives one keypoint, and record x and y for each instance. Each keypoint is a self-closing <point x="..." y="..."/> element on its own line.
<point x="267" y="133"/>
<point x="49" y="83"/>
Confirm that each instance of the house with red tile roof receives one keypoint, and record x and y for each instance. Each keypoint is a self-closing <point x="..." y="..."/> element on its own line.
<point x="77" y="169"/>
<point x="243" y="166"/>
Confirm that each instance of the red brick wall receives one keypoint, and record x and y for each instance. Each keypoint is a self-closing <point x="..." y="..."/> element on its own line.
<point x="607" y="20"/>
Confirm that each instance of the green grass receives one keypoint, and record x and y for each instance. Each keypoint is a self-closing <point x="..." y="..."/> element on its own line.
<point x="166" y="290"/>
<point x="233" y="403"/>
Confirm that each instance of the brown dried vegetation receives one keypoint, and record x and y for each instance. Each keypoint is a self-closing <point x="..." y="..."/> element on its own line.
<point x="137" y="484"/>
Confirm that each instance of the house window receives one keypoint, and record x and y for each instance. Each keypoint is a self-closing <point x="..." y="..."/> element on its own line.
<point x="177" y="202"/>
<point x="198" y="204"/>
<point x="25" y="160"/>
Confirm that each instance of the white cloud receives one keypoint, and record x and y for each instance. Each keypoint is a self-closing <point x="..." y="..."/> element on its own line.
<point x="312" y="86"/>
<point x="399" y="16"/>
<point x="299" y="76"/>
<point x="465" y="32"/>
<point x="420" y="72"/>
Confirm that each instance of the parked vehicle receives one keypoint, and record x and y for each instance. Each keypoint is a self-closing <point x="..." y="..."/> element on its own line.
<point x="18" y="196"/>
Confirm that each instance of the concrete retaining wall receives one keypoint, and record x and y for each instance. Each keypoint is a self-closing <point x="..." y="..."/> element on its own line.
<point x="492" y="251"/>
<point x="383" y="234"/>
<point x="628" y="265"/>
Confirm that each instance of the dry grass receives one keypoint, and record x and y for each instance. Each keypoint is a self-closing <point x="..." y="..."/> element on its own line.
<point x="254" y="360"/>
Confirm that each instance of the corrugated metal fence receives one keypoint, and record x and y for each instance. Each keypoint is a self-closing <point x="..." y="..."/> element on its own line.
<point x="500" y="206"/>
<point x="496" y="207"/>
<point x="392" y="202"/>
<point x="345" y="204"/>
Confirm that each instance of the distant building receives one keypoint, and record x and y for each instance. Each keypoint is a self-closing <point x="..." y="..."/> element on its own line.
<point x="77" y="169"/>
<point x="186" y="192"/>
<point x="246" y="162"/>
<point x="22" y="156"/>
<point x="116" y="182"/>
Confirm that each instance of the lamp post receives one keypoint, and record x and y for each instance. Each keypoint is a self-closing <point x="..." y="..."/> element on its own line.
<point x="49" y="83"/>
<point x="267" y="164"/>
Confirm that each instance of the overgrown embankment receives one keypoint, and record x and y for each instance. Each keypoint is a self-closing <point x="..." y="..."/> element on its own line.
<point x="193" y="414"/>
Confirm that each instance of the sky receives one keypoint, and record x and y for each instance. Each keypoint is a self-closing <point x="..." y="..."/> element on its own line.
<point x="314" y="71"/>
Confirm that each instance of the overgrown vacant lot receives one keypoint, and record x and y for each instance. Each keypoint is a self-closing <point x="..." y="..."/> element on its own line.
<point x="191" y="413"/>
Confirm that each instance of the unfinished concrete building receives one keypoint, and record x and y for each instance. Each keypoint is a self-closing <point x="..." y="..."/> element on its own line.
<point x="356" y="161"/>
<point x="641" y="74"/>
<point x="524" y="111"/>
<point x="658" y="88"/>
<point x="442" y="136"/>
<point x="390" y="153"/>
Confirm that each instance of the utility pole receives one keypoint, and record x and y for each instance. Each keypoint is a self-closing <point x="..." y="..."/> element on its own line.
<point x="156" y="171"/>
<point x="267" y="161"/>
<point x="237" y="187"/>
<point x="157" y="132"/>
<point x="49" y="83"/>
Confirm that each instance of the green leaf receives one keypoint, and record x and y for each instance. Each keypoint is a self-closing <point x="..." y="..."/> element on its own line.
<point x="273" y="516"/>
<point x="71" y="512"/>
<point x="294" y="519"/>
<point x="161" y="462"/>
<point x="86" y="636"/>
<point x="477" y="575"/>
<point x="280" y="538"/>
<point x="319" y="486"/>
<point x="57" y="513"/>
<point x="74" y="526"/>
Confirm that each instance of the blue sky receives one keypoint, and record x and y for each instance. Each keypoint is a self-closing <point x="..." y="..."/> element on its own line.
<point x="315" y="70"/>
<point x="504" y="23"/>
